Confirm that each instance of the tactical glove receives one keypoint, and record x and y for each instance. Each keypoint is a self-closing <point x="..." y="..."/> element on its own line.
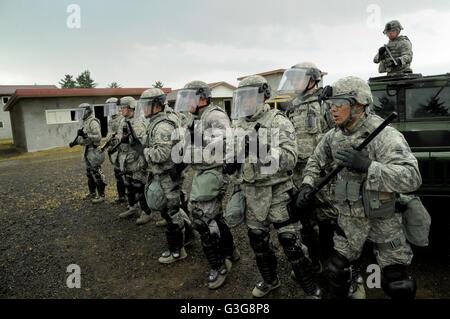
<point x="382" y="51"/>
<point x="303" y="198"/>
<point x="353" y="159"/>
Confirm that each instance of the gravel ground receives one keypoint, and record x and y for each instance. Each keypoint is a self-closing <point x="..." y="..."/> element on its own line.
<point x="46" y="226"/>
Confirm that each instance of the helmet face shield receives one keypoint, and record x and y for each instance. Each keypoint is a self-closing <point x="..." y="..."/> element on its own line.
<point x="147" y="105"/>
<point x="245" y="101"/>
<point x="82" y="113"/>
<point x="110" y="109"/>
<point x="187" y="100"/>
<point x="294" y="81"/>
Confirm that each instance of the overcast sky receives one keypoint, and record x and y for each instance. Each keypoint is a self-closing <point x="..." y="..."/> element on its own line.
<point x="136" y="43"/>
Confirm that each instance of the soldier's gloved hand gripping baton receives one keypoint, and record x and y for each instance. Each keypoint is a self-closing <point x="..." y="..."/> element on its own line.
<point x="366" y="142"/>
<point x="390" y="55"/>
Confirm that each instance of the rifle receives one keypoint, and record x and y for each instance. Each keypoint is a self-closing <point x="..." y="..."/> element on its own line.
<point x="366" y="142"/>
<point x="108" y="143"/>
<point x="135" y="142"/>
<point x="75" y="141"/>
<point x="390" y="55"/>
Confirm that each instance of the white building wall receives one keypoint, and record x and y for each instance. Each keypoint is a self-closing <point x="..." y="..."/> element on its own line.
<point x="5" y="122"/>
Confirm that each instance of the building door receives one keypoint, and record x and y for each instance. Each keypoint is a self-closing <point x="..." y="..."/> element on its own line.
<point x="227" y="105"/>
<point x="99" y="113"/>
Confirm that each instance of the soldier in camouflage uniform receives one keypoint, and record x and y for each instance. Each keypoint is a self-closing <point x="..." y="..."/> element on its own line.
<point x="365" y="190"/>
<point x="114" y="120"/>
<point x="162" y="170"/>
<point x="132" y="163"/>
<point x="266" y="184"/>
<point x="205" y="202"/>
<point x="90" y="136"/>
<point x="401" y="49"/>
<point x="311" y="119"/>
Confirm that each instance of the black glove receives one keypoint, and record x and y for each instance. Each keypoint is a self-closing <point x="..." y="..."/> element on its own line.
<point x="125" y="139"/>
<point x="391" y="63"/>
<point x="303" y="198"/>
<point x="382" y="51"/>
<point x="81" y="133"/>
<point x="353" y="159"/>
<point x="72" y="144"/>
<point x="231" y="168"/>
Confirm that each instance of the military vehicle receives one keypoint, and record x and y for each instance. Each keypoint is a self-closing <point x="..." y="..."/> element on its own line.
<point x="423" y="106"/>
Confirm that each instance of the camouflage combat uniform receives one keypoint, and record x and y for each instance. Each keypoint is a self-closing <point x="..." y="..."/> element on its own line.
<point x="401" y="49"/>
<point x="132" y="164"/>
<point x="207" y="213"/>
<point x="366" y="202"/>
<point x="113" y="131"/>
<point x="158" y="151"/>
<point x="92" y="156"/>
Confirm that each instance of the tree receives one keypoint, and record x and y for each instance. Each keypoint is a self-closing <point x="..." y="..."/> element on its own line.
<point x="114" y="85"/>
<point x="68" y="82"/>
<point x="84" y="80"/>
<point x="158" y="85"/>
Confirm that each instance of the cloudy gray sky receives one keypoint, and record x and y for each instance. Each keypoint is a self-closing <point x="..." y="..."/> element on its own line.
<point x="139" y="42"/>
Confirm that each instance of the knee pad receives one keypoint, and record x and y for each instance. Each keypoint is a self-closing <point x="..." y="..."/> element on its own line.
<point x="338" y="269"/>
<point x="293" y="251"/>
<point x="259" y="240"/>
<point x="201" y="227"/>
<point x="397" y="284"/>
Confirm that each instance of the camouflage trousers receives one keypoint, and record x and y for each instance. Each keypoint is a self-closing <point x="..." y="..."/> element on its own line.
<point x="268" y="205"/>
<point x="172" y="214"/>
<point x="207" y="211"/>
<point x="390" y="246"/>
<point x="93" y="160"/>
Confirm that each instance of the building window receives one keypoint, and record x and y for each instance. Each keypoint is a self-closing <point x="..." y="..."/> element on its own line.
<point x="5" y="99"/>
<point x="60" y="116"/>
<point x="1" y="124"/>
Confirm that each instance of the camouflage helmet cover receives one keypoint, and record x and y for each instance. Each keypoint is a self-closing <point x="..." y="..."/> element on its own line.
<point x="253" y="80"/>
<point x="353" y="87"/>
<point x="312" y="70"/>
<point x="201" y="87"/>
<point x="112" y="100"/>
<point x="128" y="101"/>
<point x="154" y="93"/>
<point x="393" y="25"/>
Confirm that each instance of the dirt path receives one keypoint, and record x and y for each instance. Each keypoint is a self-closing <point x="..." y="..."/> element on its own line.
<point x="45" y="226"/>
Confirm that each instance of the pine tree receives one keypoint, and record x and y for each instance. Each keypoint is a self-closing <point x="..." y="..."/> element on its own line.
<point x="84" y="80"/>
<point x="158" y="85"/>
<point x="68" y="82"/>
<point x="114" y="85"/>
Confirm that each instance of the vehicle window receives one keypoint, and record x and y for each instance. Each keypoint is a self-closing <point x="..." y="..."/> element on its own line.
<point x="427" y="102"/>
<point x="383" y="104"/>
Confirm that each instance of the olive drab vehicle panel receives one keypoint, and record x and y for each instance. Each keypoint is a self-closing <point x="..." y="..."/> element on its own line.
<point x="423" y="105"/>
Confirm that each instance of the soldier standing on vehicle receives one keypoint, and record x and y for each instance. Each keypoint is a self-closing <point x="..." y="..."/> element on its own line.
<point x="114" y="119"/>
<point x="395" y="57"/>
<point x="266" y="185"/>
<point x="131" y="160"/>
<point x="205" y="202"/>
<point x="365" y="191"/>
<point x="90" y="136"/>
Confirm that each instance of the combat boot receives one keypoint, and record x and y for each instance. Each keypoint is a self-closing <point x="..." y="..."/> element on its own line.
<point x="357" y="290"/>
<point x="161" y="223"/>
<point x="262" y="288"/>
<point x="119" y="200"/>
<point x="132" y="210"/>
<point x="100" y="198"/>
<point x="92" y="190"/>
<point x="176" y="252"/>
<point x="216" y="278"/>
<point x="143" y="219"/>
